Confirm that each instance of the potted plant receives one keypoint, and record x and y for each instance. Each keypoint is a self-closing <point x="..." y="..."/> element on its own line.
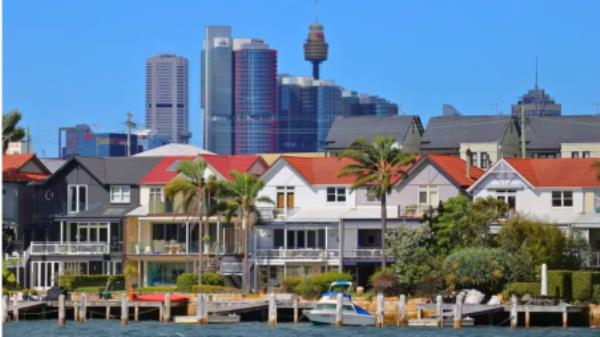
<point x="206" y="243"/>
<point x="131" y="274"/>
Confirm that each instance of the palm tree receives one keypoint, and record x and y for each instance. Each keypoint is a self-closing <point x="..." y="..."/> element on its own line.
<point x="10" y="131"/>
<point x="191" y="186"/>
<point x="375" y="165"/>
<point x="241" y="193"/>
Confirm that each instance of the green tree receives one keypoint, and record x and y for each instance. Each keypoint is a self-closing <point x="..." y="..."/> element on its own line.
<point x="464" y="223"/>
<point x="485" y="269"/>
<point x="241" y="193"/>
<point x="189" y="188"/>
<point x="10" y="131"/>
<point x="543" y="243"/>
<point x="375" y="165"/>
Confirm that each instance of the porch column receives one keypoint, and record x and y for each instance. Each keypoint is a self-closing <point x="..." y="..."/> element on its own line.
<point x="139" y="276"/>
<point x="326" y="248"/>
<point x="108" y="235"/>
<point x="218" y="242"/>
<point x="341" y="245"/>
<point x="62" y="225"/>
<point x="187" y="237"/>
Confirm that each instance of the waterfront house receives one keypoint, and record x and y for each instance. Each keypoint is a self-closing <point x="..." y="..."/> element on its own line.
<point x="564" y="192"/>
<point x="18" y="170"/>
<point x="489" y="138"/>
<point x="79" y="211"/>
<point x="161" y="239"/>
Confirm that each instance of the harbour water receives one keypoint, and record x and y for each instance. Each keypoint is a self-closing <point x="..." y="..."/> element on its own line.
<point x="101" y="328"/>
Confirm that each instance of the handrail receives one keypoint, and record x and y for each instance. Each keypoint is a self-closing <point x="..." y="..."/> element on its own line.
<point x="69" y="248"/>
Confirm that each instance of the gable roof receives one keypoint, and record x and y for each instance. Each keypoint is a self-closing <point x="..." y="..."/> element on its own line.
<point x="447" y="132"/>
<point x="345" y="129"/>
<point x="165" y="170"/>
<point x="456" y="169"/>
<point x="560" y="172"/>
<point x="550" y="132"/>
<point x="320" y="171"/>
<point x="173" y="149"/>
<point x="13" y="165"/>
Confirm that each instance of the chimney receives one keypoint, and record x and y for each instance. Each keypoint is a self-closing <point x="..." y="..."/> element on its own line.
<point x="468" y="170"/>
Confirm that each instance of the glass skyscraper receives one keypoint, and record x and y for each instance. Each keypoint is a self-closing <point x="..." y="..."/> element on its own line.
<point x="329" y="106"/>
<point x="217" y="89"/>
<point x="297" y="117"/>
<point x="255" y="96"/>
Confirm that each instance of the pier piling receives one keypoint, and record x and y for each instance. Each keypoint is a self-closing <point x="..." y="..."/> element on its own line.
<point x="295" y="304"/>
<point x="439" y="311"/>
<point x="61" y="309"/>
<point x="75" y="312"/>
<point x="401" y="314"/>
<point x="339" y="318"/>
<point x="107" y="312"/>
<point x="527" y="316"/>
<point x="15" y="309"/>
<point x="565" y="317"/>
<point x="513" y="312"/>
<point x="379" y="310"/>
<point x="458" y="312"/>
<point x="167" y="307"/>
<point x="136" y="312"/>
<point x="272" y="310"/>
<point x="124" y="310"/>
<point x="83" y="308"/>
<point x="4" y="308"/>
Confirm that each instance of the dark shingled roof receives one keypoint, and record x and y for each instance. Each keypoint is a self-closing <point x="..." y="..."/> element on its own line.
<point x="550" y="132"/>
<point x="447" y="132"/>
<point x="114" y="212"/>
<point x="345" y="129"/>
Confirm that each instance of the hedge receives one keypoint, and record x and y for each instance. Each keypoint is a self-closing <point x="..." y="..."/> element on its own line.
<point x="559" y="284"/>
<point x="213" y="279"/>
<point x="186" y="281"/>
<point x="582" y="283"/>
<point x="522" y="288"/>
<point x="596" y="293"/>
<point x="71" y="282"/>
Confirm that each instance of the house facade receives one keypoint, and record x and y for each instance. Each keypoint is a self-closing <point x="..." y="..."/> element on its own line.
<point x="572" y="136"/>
<point x="564" y="192"/>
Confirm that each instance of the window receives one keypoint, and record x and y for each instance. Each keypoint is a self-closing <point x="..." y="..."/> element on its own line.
<point x="77" y="196"/>
<point x="509" y="197"/>
<point x="371" y="195"/>
<point x="473" y="159"/>
<point x="428" y="196"/>
<point x="586" y="154"/>
<point x="285" y="197"/>
<point x="575" y="154"/>
<point x="120" y="194"/>
<point x="485" y="160"/>
<point x="278" y="236"/>
<point x="336" y="194"/>
<point x="562" y="198"/>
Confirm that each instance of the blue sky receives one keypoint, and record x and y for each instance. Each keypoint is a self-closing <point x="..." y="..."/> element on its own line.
<point x="73" y="61"/>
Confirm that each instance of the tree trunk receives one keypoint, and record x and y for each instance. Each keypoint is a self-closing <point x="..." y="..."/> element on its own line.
<point x="245" y="263"/>
<point x="383" y="228"/>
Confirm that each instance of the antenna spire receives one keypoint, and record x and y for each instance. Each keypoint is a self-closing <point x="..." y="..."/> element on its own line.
<point x="536" y="73"/>
<point x="316" y="11"/>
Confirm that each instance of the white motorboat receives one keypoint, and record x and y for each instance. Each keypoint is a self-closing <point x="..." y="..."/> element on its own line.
<point x="325" y="310"/>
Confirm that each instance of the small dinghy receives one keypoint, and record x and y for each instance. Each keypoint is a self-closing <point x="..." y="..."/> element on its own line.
<point x="325" y="310"/>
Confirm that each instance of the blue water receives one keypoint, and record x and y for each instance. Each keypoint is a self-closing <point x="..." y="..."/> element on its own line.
<point x="99" y="328"/>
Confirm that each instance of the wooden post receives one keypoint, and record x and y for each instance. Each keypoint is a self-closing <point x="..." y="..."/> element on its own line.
<point x="107" y="311"/>
<point x="167" y="307"/>
<point x="379" y="310"/>
<point x="565" y="316"/>
<point x="401" y="314"/>
<point x="83" y="309"/>
<point x="15" y="308"/>
<point x="419" y="313"/>
<point x="458" y="313"/>
<point x="136" y="312"/>
<point x="161" y="312"/>
<point x="124" y="309"/>
<point x="439" y="310"/>
<point x="295" y="304"/>
<point x="339" y="317"/>
<point x="272" y="310"/>
<point x="4" y="308"/>
<point x="205" y="305"/>
<point x="513" y="312"/>
<point x="75" y="311"/>
<point x="527" y="316"/>
<point x="61" y="309"/>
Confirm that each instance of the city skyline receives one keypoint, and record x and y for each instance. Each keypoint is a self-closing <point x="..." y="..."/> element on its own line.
<point x="478" y="74"/>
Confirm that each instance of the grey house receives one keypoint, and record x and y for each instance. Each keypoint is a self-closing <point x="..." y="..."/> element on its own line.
<point x="79" y="212"/>
<point x="407" y="131"/>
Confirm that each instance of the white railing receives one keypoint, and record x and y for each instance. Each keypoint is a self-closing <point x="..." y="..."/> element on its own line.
<point x="362" y="254"/>
<point x="592" y="260"/>
<point x="68" y="248"/>
<point x="271" y="213"/>
<point x="297" y="254"/>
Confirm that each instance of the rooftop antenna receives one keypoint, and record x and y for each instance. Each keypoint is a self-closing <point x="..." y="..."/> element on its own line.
<point x="130" y="124"/>
<point x="536" y="73"/>
<point x="316" y="11"/>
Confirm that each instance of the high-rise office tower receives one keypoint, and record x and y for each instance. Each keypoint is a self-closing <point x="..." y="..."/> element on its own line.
<point x="354" y="104"/>
<point x="167" y="97"/>
<point x="536" y="102"/>
<point x="217" y="89"/>
<point x="255" y="96"/>
<point x="329" y="106"/>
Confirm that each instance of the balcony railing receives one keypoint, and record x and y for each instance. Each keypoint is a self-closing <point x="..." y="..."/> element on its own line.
<point x="592" y="259"/>
<point x="297" y="254"/>
<point x="362" y="254"/>
<point x="163" y="247"/>
<point x="271" y="213"/>
<point x="68" y="248"/>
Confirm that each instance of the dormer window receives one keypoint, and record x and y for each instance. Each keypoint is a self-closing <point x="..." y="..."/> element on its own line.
<point x="120" y="194"/>
<point x="77" y="196"/>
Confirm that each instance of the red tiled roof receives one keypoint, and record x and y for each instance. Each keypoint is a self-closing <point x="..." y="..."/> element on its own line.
<point x="12" y="164"/>
<point x="560" y="172"/>
<point x="165" y="170"/>
<point x="456" y="169"/>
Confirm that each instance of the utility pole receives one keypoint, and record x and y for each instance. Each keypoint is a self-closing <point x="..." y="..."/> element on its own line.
<point x="130" y="124"/>
<point x="523" y="138"/>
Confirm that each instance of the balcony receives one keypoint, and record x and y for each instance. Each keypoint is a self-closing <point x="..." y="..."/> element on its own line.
<point x="160" y="207"/>
<point x="163" y="247"/>
<point x="68" y="248"/>
<point x="273" y="213"/>
<point x="592" y="260"/>
<point x="297" y="254"/>
<point x="362" y="254"/>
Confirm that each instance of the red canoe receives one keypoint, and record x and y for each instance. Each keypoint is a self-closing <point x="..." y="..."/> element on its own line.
<point x="159" y="298"/>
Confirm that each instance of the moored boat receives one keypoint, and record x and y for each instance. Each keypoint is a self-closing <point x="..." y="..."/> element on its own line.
<point x="325" y="311"/>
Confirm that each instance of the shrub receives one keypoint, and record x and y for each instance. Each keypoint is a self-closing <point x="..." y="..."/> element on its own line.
<point x="385" y="281"/>
<point x="559" y="284"/>
<point x="522" y="288"/>
<point x="322" y="281"/>
<point x="582" y="283"/>
<point x="213" y="279"/>
<point x="481" y="268"/>
<point x="71" y="282"/>
<point x="156" y="289"/>
<point x="187" y="281"/>
<point x="306" y="289"/>
<point x="596" y="293"/>
<point x="291" y="282"/>
<point x="212" y="289"/>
